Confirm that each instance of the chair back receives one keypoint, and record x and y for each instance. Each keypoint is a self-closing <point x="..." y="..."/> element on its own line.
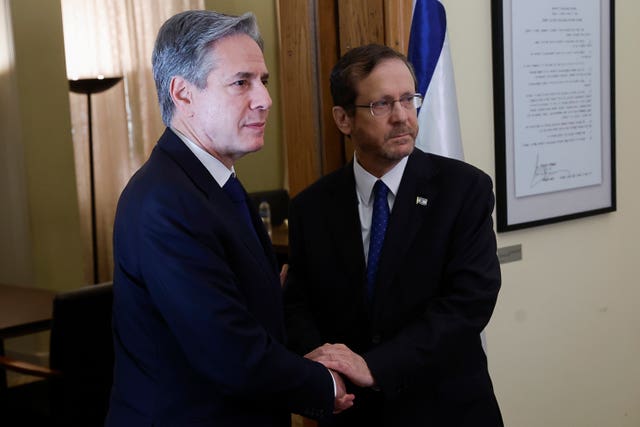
<point x="82" y="349"/>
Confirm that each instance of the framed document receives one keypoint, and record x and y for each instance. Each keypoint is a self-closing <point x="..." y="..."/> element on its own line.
<point x="554" y="110"/>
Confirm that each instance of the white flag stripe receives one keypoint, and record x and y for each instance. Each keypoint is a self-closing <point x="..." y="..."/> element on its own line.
<point x="438" y="118"/>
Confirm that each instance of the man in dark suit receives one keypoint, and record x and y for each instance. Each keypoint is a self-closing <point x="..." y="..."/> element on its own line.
<point x="197" y="317"/>
<point x="403" y="275"/>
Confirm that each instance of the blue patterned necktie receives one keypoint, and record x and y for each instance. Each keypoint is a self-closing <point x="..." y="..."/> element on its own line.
<point x="236" y="193"/>
<point x="379" y="221"/>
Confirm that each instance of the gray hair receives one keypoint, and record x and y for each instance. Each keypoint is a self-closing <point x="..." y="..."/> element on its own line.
<point x="182" y="45"/>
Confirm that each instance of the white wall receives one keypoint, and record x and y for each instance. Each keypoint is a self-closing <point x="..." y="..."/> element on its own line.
<point x="564" y="342"/>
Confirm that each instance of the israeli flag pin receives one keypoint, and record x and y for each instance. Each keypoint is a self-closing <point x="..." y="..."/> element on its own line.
<point x="422" y="201"/>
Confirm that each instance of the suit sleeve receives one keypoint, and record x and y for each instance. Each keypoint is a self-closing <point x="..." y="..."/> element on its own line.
<point x="198" y="278"/>
<point x="302" y="330"/>
<point x="444" y="338"/>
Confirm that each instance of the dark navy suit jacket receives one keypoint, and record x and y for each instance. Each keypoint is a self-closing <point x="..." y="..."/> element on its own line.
<point x="198" y="326"/>
<point x="437" y="284"/>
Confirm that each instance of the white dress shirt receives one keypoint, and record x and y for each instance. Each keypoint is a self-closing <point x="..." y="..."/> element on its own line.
<point x="218" y="171"/>
<point x="364" y="189"/>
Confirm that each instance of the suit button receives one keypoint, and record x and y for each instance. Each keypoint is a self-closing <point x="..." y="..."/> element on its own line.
<point x="376" y="339"/>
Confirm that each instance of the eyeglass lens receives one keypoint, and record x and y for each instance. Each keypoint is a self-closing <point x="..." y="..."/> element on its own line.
<point x="386" y="106"/>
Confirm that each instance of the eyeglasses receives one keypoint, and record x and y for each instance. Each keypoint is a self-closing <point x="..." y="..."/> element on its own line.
<point x="384" y="107"/>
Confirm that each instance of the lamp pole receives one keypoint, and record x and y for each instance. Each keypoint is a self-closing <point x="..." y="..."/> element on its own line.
<point x="89" y="87"/>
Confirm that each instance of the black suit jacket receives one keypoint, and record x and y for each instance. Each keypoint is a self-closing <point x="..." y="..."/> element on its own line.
<point x="197" y="315"/>
<point x="437" y="284"/>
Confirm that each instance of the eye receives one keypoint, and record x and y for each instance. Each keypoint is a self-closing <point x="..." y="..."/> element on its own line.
<point x="383" y="103"/>
<point x="411" y="101"/>
<point x="265" y="82"/>
<point x="239" y="83"/>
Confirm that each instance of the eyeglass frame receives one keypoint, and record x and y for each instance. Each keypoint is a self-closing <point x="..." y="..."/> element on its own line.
<point x="416" y="98"/>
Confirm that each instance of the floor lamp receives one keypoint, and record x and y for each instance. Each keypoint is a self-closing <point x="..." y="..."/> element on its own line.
<point x="89" y="87"/>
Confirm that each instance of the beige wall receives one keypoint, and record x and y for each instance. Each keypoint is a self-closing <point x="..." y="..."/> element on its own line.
<point x="41" y="236"/>
<point x="263" y="170"/>
<point x="564" y="342"/>
<point x="15" y="265"/>
<point x="40" y="231"/>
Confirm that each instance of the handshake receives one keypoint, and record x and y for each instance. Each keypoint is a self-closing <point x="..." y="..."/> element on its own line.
<point x="339" y="359"/>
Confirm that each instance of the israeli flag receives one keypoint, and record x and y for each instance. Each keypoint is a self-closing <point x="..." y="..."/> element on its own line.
<point x="429" y="54"/>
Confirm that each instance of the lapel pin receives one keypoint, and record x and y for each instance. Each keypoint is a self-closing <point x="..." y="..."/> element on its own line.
<point x="422" y="201"/>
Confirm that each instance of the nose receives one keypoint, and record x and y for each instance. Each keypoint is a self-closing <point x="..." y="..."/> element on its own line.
<point x="398" y="112"/>
<point x="261" y="100"/>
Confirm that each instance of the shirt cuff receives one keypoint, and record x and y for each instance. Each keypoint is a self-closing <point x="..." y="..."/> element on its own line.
<point x="335" y="386"/>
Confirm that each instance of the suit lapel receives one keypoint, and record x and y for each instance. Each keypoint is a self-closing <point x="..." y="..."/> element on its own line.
<point x="176" y="149"/>
<point x="406" y="219"/>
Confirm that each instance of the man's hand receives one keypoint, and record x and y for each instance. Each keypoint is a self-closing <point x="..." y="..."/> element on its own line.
<point x="342" y="400"/>
<point x="340" y="358"/>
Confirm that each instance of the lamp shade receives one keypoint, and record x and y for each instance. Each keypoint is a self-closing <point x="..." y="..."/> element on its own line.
<point x="95" y="85"/>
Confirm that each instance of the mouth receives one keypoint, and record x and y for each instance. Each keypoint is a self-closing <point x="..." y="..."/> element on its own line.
<point x="256" y="125"/>
<point x="399" y="134"/>
<point x="401" y="137"/>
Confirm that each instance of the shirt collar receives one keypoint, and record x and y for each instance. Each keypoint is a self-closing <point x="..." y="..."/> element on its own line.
<point x="218" y="171"/>
<point x="365" y="181"/>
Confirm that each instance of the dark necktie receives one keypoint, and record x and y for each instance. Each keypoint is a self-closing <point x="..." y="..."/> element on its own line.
<point x="236" y="193"/>
<point x="379" y="221"/>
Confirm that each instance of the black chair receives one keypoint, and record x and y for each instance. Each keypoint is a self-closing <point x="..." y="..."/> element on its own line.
<point x="80" y="371"/>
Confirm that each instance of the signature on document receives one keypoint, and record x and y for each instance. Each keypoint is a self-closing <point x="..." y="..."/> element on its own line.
<point x="545" y="172"/>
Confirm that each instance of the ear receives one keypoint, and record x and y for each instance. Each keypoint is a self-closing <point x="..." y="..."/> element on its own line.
<point x="180" y="91"/>
<point x="342" y="119"/>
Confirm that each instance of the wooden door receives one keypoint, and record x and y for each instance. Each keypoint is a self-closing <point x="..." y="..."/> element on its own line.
<point x="313" y="35"/>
